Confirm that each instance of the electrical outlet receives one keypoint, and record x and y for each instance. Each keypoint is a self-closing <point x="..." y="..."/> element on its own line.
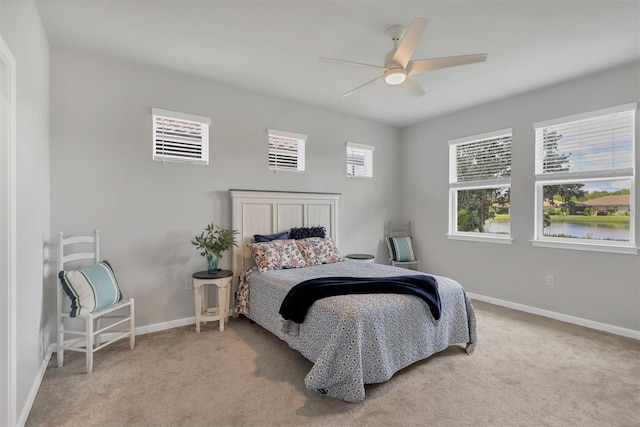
<point x="549" y="280"/>
<point x="188" y="284"/>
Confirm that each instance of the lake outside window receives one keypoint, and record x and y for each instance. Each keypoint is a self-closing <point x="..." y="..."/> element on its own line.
<point x="480" y="187"/>
<point x="585" y="175"/>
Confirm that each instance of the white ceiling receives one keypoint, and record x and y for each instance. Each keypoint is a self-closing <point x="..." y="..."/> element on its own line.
<point x="273" y="46"/>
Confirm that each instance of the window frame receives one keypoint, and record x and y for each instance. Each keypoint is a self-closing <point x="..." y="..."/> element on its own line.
<point x="300" y="140"/>
<point x="597" y="175"/>
<point x="367" y="167"/>
<point x="186" y="119"/>
<point x="455" y="186"/>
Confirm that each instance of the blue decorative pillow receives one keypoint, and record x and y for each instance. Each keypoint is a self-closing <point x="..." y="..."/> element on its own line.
<point x="91" y="288"/>
<point x="304" y="232"/>
<point x="401" y="249"/>
<point x="263" y="238"/>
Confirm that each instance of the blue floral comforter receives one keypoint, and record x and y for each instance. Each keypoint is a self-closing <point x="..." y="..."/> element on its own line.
<point x="361" y="339"/>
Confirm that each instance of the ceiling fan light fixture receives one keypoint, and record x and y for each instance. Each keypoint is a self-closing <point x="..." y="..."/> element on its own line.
<point x="398" y="60"/>
<point x="395" y="76"/>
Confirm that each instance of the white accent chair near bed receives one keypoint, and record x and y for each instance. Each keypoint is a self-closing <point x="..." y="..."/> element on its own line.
<point x="92" y="295"/>
<point x="400" y="243"/>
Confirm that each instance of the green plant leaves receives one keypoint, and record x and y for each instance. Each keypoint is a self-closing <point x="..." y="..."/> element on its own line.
<point x="215" y="240"/>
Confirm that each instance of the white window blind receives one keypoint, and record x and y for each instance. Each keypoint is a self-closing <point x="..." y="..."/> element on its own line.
<point x="481" y="159"/>
<point x="480" y="187"/>
<point x="360" y="160"/>
<point x="585" y="167"/>
<point x="179" y="137"/>
<point x="591" y="145"/>
<point x="286" y="151"/>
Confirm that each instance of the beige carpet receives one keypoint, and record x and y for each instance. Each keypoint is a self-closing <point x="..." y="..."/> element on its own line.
<point x="526" y="371"/>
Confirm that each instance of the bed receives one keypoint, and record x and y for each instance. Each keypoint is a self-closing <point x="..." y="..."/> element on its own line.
<point x="352" y="340"/>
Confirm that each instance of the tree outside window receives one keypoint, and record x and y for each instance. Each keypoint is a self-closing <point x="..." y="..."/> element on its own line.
<point x="585" y="171"/>
<point x="480" y="185"/>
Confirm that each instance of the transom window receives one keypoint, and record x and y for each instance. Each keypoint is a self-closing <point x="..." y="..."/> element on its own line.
<point x="360" y="160"/>
<point x="179" y="137"/>
<point x="585" y="177"/>
<point x="286" y="151"/>
<point x="480" y="187"/>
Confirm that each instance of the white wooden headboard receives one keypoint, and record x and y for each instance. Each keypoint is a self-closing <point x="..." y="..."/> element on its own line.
<point x="268" y="212"/>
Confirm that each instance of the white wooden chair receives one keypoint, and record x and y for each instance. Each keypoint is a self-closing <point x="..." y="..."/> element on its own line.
<point x="400" y="243"/>
<point x="90" y="339"/>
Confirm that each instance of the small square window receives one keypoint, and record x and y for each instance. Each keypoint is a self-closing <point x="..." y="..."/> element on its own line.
<point x="286" y="151"/>
<point x="179" y="137"/>
<point x="360" y="160"/>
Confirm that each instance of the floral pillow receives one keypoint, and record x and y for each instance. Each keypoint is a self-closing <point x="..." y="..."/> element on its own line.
<point x="317" y="250"/>
<point x="277" y="255"/>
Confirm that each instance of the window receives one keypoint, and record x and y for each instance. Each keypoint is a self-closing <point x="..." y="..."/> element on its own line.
<point x="179" y="137"/>
<point x="286" y="151"/>
<point x="360" y="160"/>
<point x="585" y="177"/>
<point x="480" y="187"/>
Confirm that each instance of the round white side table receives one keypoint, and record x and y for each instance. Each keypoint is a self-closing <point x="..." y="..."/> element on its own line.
<point x="204" y="313"/>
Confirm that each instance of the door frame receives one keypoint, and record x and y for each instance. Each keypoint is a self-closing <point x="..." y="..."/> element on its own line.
<point x="8" y="288"/>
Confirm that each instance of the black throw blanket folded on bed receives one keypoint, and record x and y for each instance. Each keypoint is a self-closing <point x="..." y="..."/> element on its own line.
<point x="300" y="298"/>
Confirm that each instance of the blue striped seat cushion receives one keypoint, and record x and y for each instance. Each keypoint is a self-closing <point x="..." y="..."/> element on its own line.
<point x="91" y="288"/>
<point x="400" y="249"/>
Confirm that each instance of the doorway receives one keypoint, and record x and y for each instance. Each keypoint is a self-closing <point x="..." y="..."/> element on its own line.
<point x="8" y="409"/>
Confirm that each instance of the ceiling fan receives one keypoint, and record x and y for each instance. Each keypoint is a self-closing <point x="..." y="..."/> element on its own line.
<point x="398" y="69"/>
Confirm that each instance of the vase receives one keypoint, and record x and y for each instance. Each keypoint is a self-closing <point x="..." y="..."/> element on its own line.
<point x="212" y="263"/>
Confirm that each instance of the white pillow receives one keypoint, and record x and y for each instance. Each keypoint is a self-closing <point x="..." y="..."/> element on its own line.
<point x="91" y="288"/>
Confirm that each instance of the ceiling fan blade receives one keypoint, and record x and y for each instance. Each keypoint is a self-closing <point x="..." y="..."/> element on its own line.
<point x="362" y="85"/>
<point x="409" y="42"/>
<point x="424" y="65"/>
<point x="357" y="64"/>
<point x="412" y="86"/>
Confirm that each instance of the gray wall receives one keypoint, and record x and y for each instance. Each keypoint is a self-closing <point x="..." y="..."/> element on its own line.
<point x="103" y="176"/>
<point x="600" y="287"/>
<point x="99" y="174"/>
<point x="22" y="30"/>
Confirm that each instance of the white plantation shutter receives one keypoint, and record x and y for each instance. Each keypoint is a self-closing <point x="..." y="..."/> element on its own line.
<point x="481" y="160"/>
<point x="591" y="145"/>
<point x="360" y="160"/>
<point x="286" y="151"/>
<point x="179" y="137"/>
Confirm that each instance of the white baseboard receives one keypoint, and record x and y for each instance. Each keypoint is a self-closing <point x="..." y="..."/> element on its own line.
<point x="156" y="327"/>
<point x="617" y="330"/>
<point x="141" y="330"/>
<point x="162" y="326"/>
<point x="147" y="329"/>
<point x="33" y="392"/>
